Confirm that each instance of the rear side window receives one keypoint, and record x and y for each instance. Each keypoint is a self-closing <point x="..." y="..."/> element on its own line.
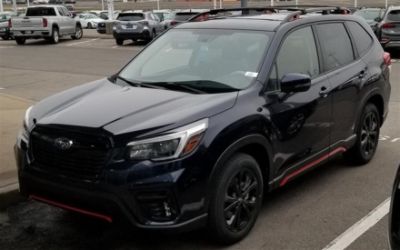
<point x="394" y="15"/>
<point x="298" y="54"/>
<point x="335" y="44"/>
<point x="131" y="17"/>
<point x="361" y="37"/>
<point x="41" y="11"/>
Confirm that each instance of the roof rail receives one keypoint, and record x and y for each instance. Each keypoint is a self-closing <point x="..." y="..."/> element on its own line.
<point x="220" y="13"/>
<point x="294" y="12"/>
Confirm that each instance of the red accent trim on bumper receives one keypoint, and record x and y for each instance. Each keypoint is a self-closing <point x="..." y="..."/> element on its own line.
<point x="311" y="164"/>
<point x="71" y="208"/>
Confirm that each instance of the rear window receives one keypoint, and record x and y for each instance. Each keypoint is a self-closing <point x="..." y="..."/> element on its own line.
<point x="41" y="11"/>
<point x="184" y="16"/>
<point x="131" y="17"/>
<point x="394" y="15"/>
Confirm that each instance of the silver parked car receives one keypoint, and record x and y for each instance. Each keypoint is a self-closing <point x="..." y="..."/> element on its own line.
<point x="388" y="30"/>
<point x="136" y="26"/>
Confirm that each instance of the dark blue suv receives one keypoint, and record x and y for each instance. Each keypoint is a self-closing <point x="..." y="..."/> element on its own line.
<point x="207" y="118"/>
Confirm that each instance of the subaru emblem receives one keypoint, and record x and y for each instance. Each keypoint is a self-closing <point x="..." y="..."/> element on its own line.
<point x="63" y="143"/>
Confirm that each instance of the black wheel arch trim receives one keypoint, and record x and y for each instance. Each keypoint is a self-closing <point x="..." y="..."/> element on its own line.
<point x="235" y="147"/>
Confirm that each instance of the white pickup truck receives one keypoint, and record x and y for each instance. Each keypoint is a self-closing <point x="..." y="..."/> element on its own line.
<point x="45" y="21"/>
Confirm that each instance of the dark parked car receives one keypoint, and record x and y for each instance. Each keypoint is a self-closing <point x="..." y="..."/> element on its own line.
<point x="371" y="15"/>
<point x="135" y="26"/>
<point x="210" y="115"/>
<point x="388" y="30"/>
<point x="394" y="214"/>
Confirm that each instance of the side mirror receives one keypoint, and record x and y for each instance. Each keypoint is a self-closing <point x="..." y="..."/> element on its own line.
<point x="378" y="19"/>
<point x="294" y="82"/>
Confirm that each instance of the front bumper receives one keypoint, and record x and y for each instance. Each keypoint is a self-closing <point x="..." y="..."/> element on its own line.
<point x="121" y="195"/>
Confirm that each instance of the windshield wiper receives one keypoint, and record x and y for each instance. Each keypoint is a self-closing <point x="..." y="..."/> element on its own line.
<point x="140" y="84"/>
<point x="198" y="86"/>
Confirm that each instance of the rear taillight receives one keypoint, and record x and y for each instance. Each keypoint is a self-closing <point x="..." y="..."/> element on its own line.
<point x="387" y="59"/>
<point x="44" y="21"/>
<point x="388" y="26"/>
<point x="9" y="23"/>
<point x="173" y="23"/>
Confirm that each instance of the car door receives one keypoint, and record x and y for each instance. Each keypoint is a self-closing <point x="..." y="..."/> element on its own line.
<point x="61" y="21"/>
<point x="346" y="76"/>
<point x="69" y="21"/>
<point x="301" y="120"/>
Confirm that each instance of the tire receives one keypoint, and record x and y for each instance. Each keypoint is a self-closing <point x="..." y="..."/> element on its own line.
<point x="119" y="41"/>
<point x="55" y="36"/>
<point x="239" y="192"/>
<point x="151" y="37"/>
<point x="78" y="33"/>
<point x="5" y="37"/>
<point x="89" y="26"/>
<point x="20" y="40"/>
<point x="367" y="136"/>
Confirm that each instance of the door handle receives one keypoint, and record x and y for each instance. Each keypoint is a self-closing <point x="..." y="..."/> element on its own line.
<point x="324" y="91"/>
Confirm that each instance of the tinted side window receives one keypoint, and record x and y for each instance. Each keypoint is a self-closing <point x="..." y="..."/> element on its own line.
<point x="298" y="54"/>
<point x="335" y="44"/>
<point x="361" y="37"/>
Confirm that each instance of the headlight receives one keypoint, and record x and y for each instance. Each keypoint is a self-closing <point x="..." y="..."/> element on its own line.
<point x="177" y="143"/>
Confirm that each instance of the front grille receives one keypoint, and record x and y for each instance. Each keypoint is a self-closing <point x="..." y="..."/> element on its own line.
<point x="83" y="160"/>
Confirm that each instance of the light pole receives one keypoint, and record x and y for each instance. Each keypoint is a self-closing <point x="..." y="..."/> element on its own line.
<point x="243" y="3"/>
<point x="272" y="2"/>
<point x="14" y="5"/>
<point x="158" y="4"/>
<point x="214" y="4"/>
<point x="386" y="4"/>
<point x="355" y="3"/>
<point x="220" y="4"/>
<point x="1" y="6"/>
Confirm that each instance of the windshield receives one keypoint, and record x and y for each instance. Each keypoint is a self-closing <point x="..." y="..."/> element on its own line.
<point x="394" y="15"/>
<point x="41" y="11"/>
<point x="130" y="17"/>
<point x="228" y="59"/>
<point x="368" y="14"/>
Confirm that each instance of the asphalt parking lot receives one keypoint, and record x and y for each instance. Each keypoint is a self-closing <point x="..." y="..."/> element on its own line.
<point x="308" y="213"/>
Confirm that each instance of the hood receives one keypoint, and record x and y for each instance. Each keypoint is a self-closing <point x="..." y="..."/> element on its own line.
<point x="119" y="110"/>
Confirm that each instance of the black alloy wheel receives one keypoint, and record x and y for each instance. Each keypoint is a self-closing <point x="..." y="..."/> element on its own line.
<point x="369" y="133"/>
<point x="236" y="198"/>
<point x="367" y="136"/>
<point x="240" y="200"/>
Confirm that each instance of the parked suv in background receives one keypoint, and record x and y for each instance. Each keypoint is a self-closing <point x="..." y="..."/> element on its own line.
<point x="210" y="115"/>
<point x="388" y="30"/>
<point x="45" y="21"/>
<point x="135" y="26"/>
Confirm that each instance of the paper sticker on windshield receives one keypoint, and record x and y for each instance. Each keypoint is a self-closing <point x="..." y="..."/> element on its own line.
<point x="251" y="74"/>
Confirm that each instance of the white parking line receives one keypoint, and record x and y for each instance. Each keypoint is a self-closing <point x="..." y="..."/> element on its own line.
<point x="91" y="40"/>
<point x="395" y="140"/>
<point x="359" y="228"/>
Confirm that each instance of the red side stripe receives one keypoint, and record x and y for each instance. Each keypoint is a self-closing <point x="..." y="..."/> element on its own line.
<point x="71" y="208"/>
<point x="311" y="164"/>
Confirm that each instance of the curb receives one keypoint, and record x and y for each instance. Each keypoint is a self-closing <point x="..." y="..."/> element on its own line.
<point x="9" y="195"/>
